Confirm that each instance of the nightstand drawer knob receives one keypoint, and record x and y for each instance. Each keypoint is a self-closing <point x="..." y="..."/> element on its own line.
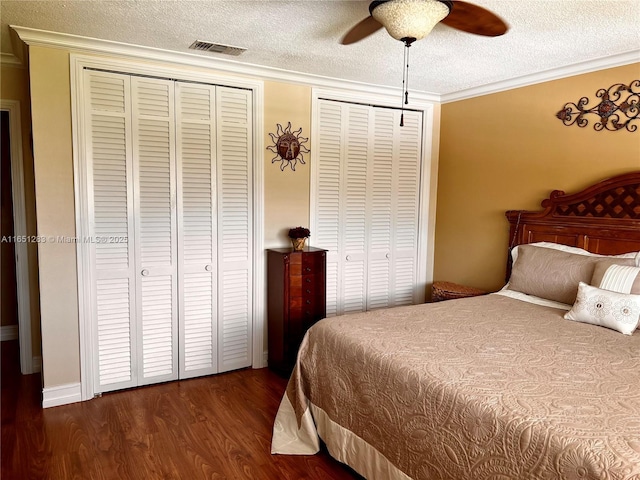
<point x="308" y="280"/>
<point x="308" y="302"/>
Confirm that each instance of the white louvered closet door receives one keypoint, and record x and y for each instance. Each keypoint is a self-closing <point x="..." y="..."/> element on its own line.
<point x="234" y="200"/>
<point x="353" y="237"/>
<point x="328" y="212"/>
<point x="110" y="202"/>
<point x="394" y="193"/>
<point x="406" y="208"/>
<point x="381" y="208"/>
<point x="169" y="167"/>
<point x="367" y="204"/>
<point x="196" y="146"/>
<point x="155" y="228"/>
<point x="341" y="200"/>
<point x="215" y="211"/>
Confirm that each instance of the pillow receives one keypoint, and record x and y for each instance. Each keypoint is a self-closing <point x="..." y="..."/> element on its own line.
<point x="550" y="273"/>
<point x="616" y="276"/>
<point x="577" y="250"/>
<point x="523" y="297"/>
<point x="618" y="311"/>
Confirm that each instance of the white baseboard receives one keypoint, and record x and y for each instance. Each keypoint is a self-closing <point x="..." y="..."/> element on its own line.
<point x="61" y="395"/>
<point x="9" y="332"/>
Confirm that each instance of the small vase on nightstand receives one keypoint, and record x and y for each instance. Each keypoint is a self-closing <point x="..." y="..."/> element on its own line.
<point x="298" y="243"/>
<point x="298" y="236"/>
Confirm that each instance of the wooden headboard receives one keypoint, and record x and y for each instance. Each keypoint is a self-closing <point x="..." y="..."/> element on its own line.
<point x="603" y="218"/>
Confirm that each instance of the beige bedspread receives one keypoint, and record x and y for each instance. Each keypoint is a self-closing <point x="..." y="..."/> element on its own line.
<point x="478" y="388"/>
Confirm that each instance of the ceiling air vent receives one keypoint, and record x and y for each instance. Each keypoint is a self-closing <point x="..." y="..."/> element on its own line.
<point x="216" y="48"/>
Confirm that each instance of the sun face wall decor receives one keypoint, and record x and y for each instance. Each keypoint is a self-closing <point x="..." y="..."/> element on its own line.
<point x="288" y="147"/>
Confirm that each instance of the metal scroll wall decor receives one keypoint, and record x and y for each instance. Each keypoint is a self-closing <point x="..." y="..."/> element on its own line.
<point x="618" y="108"/>
<point x="288" y="147"/>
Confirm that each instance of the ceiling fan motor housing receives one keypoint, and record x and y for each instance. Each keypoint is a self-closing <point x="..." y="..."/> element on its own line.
<point x="409" y="20"/>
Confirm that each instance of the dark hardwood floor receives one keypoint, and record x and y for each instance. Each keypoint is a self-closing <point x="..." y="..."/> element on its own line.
<point x="216" y="427"/>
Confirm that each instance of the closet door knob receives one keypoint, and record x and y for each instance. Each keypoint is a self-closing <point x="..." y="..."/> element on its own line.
<point x="388" y="255"/>
<point x="208" y="268"/>
<point x="144" y="272"/>
<point x="348" y="258"/>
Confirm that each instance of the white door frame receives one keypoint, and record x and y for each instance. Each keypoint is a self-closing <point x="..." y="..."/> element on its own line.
<point x="20" y="231"/>
<point x="78" y="63"/>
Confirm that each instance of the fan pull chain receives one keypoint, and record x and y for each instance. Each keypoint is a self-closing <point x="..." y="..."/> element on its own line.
<point x="405" y="81"/>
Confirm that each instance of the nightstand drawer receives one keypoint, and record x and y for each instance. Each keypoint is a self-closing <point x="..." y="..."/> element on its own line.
<point x="306" y="286"/>
<point x="309" y="304"/>
<point x="313" y="263"/>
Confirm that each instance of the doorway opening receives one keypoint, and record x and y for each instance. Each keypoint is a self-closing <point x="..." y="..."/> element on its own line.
<point x="16" y="297"/>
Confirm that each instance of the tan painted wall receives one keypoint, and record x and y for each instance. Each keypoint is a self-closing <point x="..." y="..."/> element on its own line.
<point x="509" y="151"/>
<point x="286" y="192"/>
<point x="53" y="161"/>
<point x="14" y="85"/>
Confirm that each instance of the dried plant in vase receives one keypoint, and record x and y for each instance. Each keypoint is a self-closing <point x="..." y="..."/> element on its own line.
<point x="298" y="236"/>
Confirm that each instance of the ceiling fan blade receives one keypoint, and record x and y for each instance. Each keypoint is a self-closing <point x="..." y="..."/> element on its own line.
<point x="361" y="30"/>
<point x="474" y="19"/>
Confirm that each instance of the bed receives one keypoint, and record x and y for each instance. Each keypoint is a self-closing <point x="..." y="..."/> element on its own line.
<point x="538" y="381"/>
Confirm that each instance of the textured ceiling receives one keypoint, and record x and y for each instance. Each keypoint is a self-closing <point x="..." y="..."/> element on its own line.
<point x="303" y="36"/>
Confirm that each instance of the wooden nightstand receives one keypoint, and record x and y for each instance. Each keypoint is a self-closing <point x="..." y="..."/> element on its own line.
<point x="449" y="291"/>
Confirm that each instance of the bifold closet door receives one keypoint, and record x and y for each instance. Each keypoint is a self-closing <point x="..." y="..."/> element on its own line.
<point x="367" y="183"/>
<point x="131" y="165"/>
<point x="214" y="152"/>
<point x="340" y="213"/>
<point x="154" y="180"/>
<point x="196" y="146"/>
<point x="170" y="201"/>
<point x="110" y="194"/>
<point x="234" y="169"/>
<point x="394" y="205"/>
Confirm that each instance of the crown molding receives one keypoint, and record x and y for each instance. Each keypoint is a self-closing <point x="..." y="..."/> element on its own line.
<point x="35" y="37"/>
<point x="10" y="60"/>
<point x="580" y="68"/>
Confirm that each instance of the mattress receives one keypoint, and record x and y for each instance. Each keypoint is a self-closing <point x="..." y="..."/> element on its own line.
<point x="476" y="388"/>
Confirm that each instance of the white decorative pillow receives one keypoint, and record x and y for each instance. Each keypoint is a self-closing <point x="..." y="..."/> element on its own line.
<point x="618" y="311"/>
<point x="617" y="278"/>
<point x="621" y="279"/>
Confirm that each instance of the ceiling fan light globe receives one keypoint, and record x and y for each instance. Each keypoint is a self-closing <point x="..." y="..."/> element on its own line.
<point x="410" y="18"/>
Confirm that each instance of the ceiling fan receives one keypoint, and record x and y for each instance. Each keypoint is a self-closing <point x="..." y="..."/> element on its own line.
<point x="411" y="20"/>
